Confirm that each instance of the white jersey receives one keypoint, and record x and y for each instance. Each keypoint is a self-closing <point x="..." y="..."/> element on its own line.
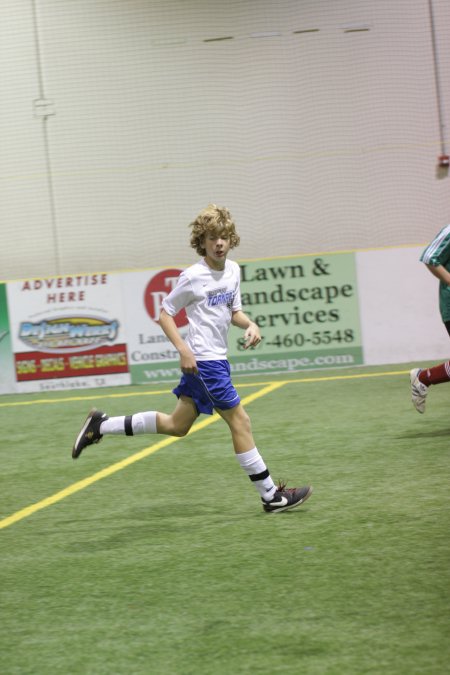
<point x="209" y="298"/>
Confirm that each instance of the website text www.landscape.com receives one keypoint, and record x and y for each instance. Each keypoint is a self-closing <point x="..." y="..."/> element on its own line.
<point x="259" y="365"/>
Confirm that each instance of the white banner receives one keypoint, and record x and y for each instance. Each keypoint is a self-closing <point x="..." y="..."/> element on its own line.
<point x="152" y="356"/>
<point x="68" y="332"/>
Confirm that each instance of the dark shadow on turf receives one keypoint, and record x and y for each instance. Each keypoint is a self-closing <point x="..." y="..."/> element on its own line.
<point x="155" y="525"/>
<point x="432" y="433"/>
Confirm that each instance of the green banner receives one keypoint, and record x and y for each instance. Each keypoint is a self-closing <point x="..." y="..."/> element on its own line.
<point x="307" y="310"/>
<point x="7" y="378"/>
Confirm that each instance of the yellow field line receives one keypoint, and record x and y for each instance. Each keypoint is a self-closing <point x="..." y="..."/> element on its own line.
<point x="118" y="466"/>
<point x="358" y="376"/>
<point x="85" y="398"/>
<point x="44" y="401"/>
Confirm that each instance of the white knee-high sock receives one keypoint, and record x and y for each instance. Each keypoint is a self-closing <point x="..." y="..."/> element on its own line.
<point x="257" y="471"/>
<point x="139" y="423"/>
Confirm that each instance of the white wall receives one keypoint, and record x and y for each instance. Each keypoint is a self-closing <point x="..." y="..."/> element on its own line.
<point x="318" y="141"/>
<point x="27" y="238"/>
<point x="399" y="308"/>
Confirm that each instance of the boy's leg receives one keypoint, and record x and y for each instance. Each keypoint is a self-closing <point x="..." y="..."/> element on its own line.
<point x="421" y="379"/>
<point x="180" y="420"/>
<point x="240" y="427"/>
<point x="246" y="452"/>
<point x="99" y="424"/>
<point x="177" y="423"/>
<point x="436" y="375"/>
<point x="273" y="498"/>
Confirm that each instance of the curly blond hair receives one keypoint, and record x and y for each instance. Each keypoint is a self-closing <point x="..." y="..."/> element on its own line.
<point x="214" y="219"/>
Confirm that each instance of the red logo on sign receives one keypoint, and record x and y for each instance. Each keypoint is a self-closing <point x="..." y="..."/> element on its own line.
<point x="157" y="289"/>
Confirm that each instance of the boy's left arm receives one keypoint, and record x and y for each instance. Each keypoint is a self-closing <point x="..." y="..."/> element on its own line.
<point x="252" y="335"/>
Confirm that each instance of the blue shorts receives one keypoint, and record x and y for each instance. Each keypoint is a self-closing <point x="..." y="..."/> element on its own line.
<point x="211" y="388"/>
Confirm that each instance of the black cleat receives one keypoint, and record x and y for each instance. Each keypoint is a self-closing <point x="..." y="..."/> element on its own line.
<point x="287" y="498"/>
<point x="90" y="432"/>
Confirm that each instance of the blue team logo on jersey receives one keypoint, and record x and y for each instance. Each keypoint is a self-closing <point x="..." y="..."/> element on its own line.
<point x="220" y="297"/>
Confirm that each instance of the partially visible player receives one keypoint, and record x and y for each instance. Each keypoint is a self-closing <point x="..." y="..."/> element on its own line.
<point x="436" y="257"/>
<point x="209" y="291"/>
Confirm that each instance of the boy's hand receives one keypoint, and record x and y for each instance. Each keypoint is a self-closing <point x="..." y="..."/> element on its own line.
<point x="188" y="364"/>
<point x="252" y="336"/>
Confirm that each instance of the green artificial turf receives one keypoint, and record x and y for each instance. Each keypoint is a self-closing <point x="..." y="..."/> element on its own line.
<point x="170" y="565"/>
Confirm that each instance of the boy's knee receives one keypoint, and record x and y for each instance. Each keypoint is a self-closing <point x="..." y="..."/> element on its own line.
<point x="179" y="429"/>
<point x="241" y="419"/>
<point x="180" y="432"/>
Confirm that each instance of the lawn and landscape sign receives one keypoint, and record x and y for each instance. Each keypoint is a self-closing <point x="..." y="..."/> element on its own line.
<point x="7" y="379"/>
<point x="306" y="308"/>
<point x="68" y="332"/>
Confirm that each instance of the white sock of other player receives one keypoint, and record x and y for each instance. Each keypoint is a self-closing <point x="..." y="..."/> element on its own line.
<point x="139" y="423"/>
<point x="257" y="471"/>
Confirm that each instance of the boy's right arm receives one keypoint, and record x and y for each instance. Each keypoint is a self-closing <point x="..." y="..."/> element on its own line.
<point x="440" y="272"/>
<point x="188" y="363"/>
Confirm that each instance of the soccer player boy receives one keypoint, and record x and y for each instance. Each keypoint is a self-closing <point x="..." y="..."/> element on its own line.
<point x="209" y="291"/>
<point x="436" y="257"/>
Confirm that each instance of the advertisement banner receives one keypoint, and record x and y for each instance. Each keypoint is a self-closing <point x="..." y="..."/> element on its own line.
<point x="307" y="310"/>
<point x="68" y="332"/>
<point x="7" y="379"/>
<point x="152" y="356"/>
<point x="306" y="307"/>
